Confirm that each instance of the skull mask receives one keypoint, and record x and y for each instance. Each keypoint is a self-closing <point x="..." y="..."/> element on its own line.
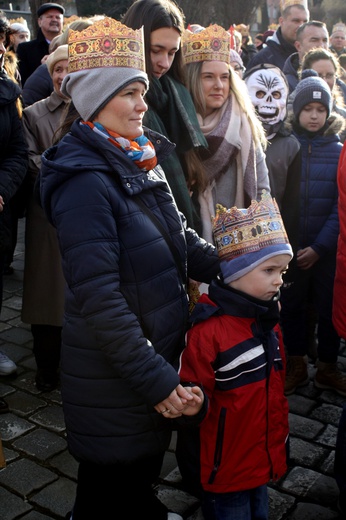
<point x="268" y="92"/>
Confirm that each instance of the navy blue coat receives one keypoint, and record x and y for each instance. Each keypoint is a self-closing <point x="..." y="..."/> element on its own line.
<point x="319" y="224"/>
<point x="13" y="154"/>
<point x="126" y="308"/>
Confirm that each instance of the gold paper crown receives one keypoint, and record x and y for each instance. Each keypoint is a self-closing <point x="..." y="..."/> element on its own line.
<point x="243" y="29"/>
<point x="241" y="231"/>
<point x="106" y="43"/>
<point x="288" y="3"/>
<point x="211" y="44"/>
<point x="339" y="27"/>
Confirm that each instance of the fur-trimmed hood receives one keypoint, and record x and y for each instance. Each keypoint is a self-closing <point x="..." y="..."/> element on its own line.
<point x="336" y="123"/>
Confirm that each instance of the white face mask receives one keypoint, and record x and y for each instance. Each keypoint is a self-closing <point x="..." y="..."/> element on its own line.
<point x="268" y="93"/>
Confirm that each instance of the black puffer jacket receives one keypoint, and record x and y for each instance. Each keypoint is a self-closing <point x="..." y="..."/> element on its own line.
<point x="13" y="154"/>
<point x="126" y="308"/>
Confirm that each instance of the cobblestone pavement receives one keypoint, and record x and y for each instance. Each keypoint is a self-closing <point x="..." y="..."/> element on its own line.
<point x="40" y="478"/>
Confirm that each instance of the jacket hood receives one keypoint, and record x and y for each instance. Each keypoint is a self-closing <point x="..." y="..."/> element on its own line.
<point x="82" y="150"/>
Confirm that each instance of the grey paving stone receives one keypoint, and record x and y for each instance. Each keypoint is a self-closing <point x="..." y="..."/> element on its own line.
<point x="304" y="483"/>
<point x="57" y="498"/>
<point x="66" y="464"/>
<point x="301" y="405"/>
<point x="327" y="413"/>
<point x="24" y="404"/>
<point x="305" y="453"/>
<point x="11" y="505"/>
<point x="25" y="476"/>
<point x="312" y="512"/>
<point x="50" y="417"/>
<point x="41" y="444"/>
<point x="177" y="501"/>
<point x="328" y="436"/>
<point x="279" y="504"/>
<point x="304" y="427"/>
<point x="12" y="426"/>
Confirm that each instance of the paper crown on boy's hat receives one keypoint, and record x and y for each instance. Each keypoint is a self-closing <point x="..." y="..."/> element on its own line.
<point x="311" y="89"/>
<point x="211" y="44"/>
<point x="245" y="238"/>
<point x="339" y="27"/>
<point x="103" y="59"/>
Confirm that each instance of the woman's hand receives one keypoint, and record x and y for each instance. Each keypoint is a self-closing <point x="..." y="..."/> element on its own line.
<point x="306" y="258"/>
<point x="183" y="400"/>
<point x="2" y="204"/>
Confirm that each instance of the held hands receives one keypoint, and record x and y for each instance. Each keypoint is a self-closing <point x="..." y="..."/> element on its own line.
<point x="182" y="401"/>
<point x="306" y="258"/>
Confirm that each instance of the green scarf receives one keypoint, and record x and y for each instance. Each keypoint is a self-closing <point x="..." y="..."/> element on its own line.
<point x="172" y="113"/>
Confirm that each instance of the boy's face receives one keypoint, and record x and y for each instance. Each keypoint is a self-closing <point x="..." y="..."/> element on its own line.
<point x="313" y="117"/>
<point x="264" y="281"/>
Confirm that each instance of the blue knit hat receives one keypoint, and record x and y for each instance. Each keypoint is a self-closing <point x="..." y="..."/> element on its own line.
<point x="311" y="89"/>
<point x="248" y="237"/>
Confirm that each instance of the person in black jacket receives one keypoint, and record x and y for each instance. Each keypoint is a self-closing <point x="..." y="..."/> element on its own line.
<point x="13" y="166"/>
<point x="281" y="45"/>
<point x="30" y="54"/>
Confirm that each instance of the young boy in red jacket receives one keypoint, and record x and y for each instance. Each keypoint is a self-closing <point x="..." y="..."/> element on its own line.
<point x="235" y="352"/>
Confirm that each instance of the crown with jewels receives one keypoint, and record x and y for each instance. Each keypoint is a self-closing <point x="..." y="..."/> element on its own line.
<point x="288" y="3"/>
<point x="339" y="27"/>
<point x="241" y="231"/>
<point x="106" y="43"/>
<point x="211" y="44"/>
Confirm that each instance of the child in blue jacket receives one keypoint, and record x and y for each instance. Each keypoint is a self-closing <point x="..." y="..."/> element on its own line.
<point x="313" y="267"/>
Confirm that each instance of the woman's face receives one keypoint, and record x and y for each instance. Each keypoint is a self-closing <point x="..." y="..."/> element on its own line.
<point x="60" y="70"/>
<point x="325" y="69"/>
<point x="215" y="78"/>
<point x="124" y="113"/>
<point x="164" y="44"/>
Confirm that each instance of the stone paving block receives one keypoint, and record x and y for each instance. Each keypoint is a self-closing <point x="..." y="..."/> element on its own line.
<point x="301" y="405"/>
<point x="328" y="464"/>
<point x="305" y="483"/>
<point x="24" y="404"/>
<point x="12" y="426"/>
<point x="178" y="501"/>
<point x="50" y="417"/>
<point x="328" y="436"/>
<point x="327" y="413"/>
<point x="313" y="512"/>
<point x="11" y="505"/>
<point x="41" y="444"/>
<point x="304" y="427"/>
<point x="303" y="453"/>
<point x="6" y="390"/>
<point x="279" y="504"/>
<point x="15" y="302"/>
<point x="16" y="335"/>
<point x="25" y="476"/>
<point x="57" y="498"/>
<point x="66" y="464"/>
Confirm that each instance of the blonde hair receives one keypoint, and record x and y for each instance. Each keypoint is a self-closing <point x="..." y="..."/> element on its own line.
<point x="237" y="86"/>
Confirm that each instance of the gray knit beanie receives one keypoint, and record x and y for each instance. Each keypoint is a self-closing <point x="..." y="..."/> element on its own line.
<point x="103" y="59"/>
<point x="311" y="89"/>
<point x="91" y="89"/>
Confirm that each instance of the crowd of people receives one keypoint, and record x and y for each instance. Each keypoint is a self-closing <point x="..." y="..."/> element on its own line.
<point x="184" y="201"/>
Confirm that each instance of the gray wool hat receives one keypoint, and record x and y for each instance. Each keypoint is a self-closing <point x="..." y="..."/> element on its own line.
<point x="91" y="89"/>
<point x="311" y="89"/>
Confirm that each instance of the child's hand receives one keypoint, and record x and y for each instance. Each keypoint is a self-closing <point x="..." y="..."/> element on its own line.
<point x="194" y="406"/>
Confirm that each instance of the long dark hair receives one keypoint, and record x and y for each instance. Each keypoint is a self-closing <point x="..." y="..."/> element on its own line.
<point x="153" y="15"/>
